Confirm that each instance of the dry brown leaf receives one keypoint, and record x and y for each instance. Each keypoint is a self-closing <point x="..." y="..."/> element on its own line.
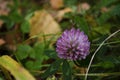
<point x="3" y="7"/>
<point x="83" y="7"/>
<point x="62" y="12"/>
<point x="1" y="22"/>
<point x="4" y="10"/>
<point x="56" y="4"/>
<point x="43" y="23"/>
<point x="104" y="9"/>
<point x="2" y="42"/>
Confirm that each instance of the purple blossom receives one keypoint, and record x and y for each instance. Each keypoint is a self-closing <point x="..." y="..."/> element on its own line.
<point x="73" y="45"/>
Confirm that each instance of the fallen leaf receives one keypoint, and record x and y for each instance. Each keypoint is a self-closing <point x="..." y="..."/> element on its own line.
<point x="2" y="42"/>
<point x="83" y="7"/>
<point x="3" y="7"/>
<point x="15" y="69"/>
<point x="4" y="10"/>
<point x="104" y="9"/>
<point x="1" y="22"/>
<point x="56" y="4"/>
<point x="62" y="12"/>
<point x="43" y="23"/>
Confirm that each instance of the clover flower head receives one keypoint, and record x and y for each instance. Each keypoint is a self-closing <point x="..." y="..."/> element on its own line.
<point x="73" y="45"/>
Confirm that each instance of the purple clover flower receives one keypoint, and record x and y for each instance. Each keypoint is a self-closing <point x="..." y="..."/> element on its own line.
<point x="73" y="45"/>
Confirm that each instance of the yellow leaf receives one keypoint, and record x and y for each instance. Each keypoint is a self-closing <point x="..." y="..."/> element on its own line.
<point x="43" y="23"/>
<point x="15" y="69"/>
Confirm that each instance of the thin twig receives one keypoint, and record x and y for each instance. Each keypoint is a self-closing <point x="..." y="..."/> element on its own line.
<point x="98" y="50"/>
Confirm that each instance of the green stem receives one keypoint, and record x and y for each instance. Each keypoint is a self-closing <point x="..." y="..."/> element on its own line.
<point x="107" y="43"/>
<point x="98" y="50"/>
<point x="45" y="65"/>
<point x="90" y="74"/>
<point x="99" y="74"/>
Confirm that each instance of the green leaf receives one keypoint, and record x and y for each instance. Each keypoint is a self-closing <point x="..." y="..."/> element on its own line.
<point x="23" y="51"/>
<point x="52" y="69"/>
<point x="101" y="53"/>
<point x="28" y="16"/>
<point x="16" y="4"/>
<point x="25" y="27"/>
<point x="109" y="61"/>
<point x="116" y="10"/>
<point x="104" y="17"/>
<point x="15" y="69"/>
<point x="39" y="50"/>
<point x="1" y="78"/>
<point x="51" y="53"/>
<point x="104" y="3"/>
<point x="103" y="30"/>
<point x="112" y="58"/>
<point x="7" y="20"/>
<point x="81" y="23"/>
<point x="29" y="65"/>
<point x="38" y="57"/>
<point x="106" y="64"/>
<point x="66" y="69"/>
<point x="16" y="16"/>
<point x="70" y="2"/>
<point x="33" y="65"/>
<point x="65" y="25"/>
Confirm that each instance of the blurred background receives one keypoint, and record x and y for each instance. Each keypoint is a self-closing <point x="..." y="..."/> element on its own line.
<point x="29" y="30"/>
